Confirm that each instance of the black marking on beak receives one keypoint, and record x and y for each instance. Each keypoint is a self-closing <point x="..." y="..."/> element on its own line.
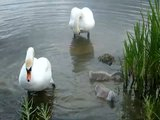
<point x="28" y="80"/>
<point x="29" y="70"/>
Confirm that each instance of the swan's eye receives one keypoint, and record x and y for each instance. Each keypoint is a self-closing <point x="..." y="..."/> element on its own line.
<point x="29" y="70"/>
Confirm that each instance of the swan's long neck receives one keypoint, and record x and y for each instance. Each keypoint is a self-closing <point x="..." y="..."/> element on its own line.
<point x="76" y="26"/>
<point x="29" y="58"/>
<point x="29" y="63"/>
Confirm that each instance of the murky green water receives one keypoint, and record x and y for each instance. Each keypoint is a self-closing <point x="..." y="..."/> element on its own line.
<point x="43" y="24"/>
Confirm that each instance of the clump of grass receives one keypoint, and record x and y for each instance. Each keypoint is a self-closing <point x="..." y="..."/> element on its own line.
<point x="141" y="66"/>
<point x="44" y="112"/>
<point x="28" y="112"/>
<point x="150" y="106"/>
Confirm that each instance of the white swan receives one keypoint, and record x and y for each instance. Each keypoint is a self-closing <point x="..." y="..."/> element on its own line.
<point x="81" y="20"/>
<point x="35" y="74"/>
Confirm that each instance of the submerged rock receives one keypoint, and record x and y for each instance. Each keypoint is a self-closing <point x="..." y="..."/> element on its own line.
<point x="105" y="93"/>
<point x="104" y="76"/>
<point x="106" y="58"/>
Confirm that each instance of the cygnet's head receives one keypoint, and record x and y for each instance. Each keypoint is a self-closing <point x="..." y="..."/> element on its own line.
<point x="111" y="96"/>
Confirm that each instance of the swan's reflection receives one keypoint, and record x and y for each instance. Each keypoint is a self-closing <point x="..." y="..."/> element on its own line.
<point x="39" y="103"/>
<point x="81" y="51"/>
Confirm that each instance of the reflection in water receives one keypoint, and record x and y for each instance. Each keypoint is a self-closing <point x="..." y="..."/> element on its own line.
<point x="132" y="109"/>
<point x="39" y="102"/>
<point x="81" y="51"/>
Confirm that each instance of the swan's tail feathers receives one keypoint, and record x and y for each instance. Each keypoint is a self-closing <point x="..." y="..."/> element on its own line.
<point x="52" y="82"/>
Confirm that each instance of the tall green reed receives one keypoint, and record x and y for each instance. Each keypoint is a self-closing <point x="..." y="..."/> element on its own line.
<point x="141" y="66"/>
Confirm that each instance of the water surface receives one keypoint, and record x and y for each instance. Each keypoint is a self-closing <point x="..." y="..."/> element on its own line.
<point x="44" y="26"/>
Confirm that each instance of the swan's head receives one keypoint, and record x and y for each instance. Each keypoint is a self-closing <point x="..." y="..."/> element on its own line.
<point x="78" y="17"/>
<point x="29" y="62"/>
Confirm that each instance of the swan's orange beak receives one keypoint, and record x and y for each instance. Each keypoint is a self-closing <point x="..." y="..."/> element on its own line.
<point x="28" y="76"/>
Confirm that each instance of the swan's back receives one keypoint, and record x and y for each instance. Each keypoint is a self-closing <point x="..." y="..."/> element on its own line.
<point x="87" y="12"/>
<point x="42" y="70"/>
<point x="87" y="19"/>
<point x="81" y="20"/>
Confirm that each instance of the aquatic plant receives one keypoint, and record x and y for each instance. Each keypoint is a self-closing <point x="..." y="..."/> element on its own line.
<point x="150" y="109"/>
<point x="44" y="112"/>
<point x="28" y="112"/>
<point x="141" y="66"/>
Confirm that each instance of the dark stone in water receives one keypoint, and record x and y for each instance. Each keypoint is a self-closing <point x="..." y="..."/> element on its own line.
<point x="106" y="58"/>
